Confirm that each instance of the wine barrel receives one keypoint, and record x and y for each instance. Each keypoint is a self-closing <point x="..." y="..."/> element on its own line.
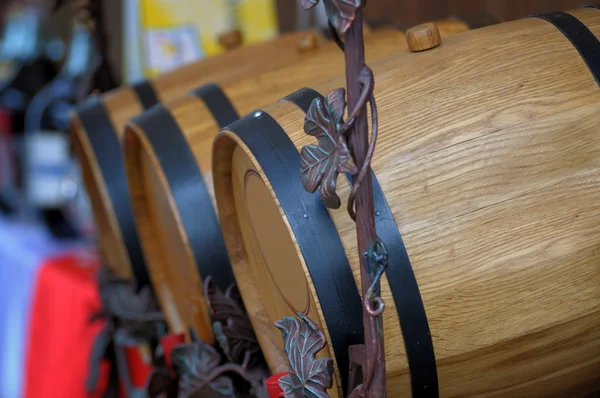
<point x="168" y="165"/>
<point x="487" y="198"/>
<point x="97" y="128"/>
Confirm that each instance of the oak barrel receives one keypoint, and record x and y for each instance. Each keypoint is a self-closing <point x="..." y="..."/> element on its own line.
<point x="97" y="128"/>
<point x="167" y="153"/>
<point x="487" y="196"/>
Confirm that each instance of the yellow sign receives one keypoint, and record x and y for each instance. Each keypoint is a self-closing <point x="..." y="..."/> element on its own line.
<point x="173" y="33"/>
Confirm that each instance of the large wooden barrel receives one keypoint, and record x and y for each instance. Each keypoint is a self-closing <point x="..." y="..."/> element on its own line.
<point x="97" y="129"/>
<point x="167" y="153"/>
<point x="487" y="196"/>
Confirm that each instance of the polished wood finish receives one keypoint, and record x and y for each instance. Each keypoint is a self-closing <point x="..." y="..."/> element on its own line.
<point x="488" y="158"/>
<point x="122" y="104"/>
<point x="168" y="256"/>
<point x="423" y="37"/>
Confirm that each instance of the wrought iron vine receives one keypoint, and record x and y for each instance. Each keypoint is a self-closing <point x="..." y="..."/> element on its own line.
<point x="344" y="147"/>
<point x="200" y="370"/>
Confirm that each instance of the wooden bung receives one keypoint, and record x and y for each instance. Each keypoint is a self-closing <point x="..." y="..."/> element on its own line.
<point x="167" y="152"/>
<point x="486" y="188"/>
<point x="97" y="129"/>
<point x="423" y="37"/>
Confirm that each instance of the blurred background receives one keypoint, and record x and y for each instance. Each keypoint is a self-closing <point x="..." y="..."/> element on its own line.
<point x="55" y="53"/>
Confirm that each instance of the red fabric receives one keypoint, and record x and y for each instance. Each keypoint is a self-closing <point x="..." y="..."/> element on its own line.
<point x="61" y="336"/>
<point x="273" y="385"/>
<point x="169" y="342"/>
<point x="103" y="382"/>
<point x="139" y="370"/>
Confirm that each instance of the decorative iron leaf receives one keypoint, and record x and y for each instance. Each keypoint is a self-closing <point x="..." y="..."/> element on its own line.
<point x="120" y="299"/>
<point x="341" y="13"/>
<point x="309" y="377"/>
<point x="307" y="4"/>
<point x="194" y="364"/>
<point x="320" y="164"/>
<point x="231" y="325"/>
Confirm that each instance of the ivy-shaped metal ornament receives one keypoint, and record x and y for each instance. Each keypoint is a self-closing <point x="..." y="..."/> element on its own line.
<point x="341" y="13"/>
<point x="309" y="377"/>
<point x="321" y="164"/>
<point x="195" y="364"/>
<point x="200" y="374"/>
<point x="232" y="326"/>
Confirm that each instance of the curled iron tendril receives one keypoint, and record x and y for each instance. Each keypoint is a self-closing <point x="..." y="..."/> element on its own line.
<point x="376" y="258"/>
<point x="367" y="82"/>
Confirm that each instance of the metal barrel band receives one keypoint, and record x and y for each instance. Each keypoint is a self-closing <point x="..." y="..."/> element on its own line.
<point x="107" y="150"/>
<point x="190" y="194"/>
<point x="314" y="231"/>
<point x="403" y="284"/>
<point x="146" y="94"/>
<point x="217" y="103"/>
<point x="586" y="43"/>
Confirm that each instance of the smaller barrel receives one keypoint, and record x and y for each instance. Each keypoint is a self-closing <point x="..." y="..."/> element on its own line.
<point x="97" y="128"/>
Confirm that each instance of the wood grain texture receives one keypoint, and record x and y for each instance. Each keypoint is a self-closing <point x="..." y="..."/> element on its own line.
<point x="167" y="252"/>
<point x="122" y="104"/>
<point x="487" y="156"/>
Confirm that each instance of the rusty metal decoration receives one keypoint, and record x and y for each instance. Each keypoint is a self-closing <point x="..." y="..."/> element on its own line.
<point x="198" y="372"/>
<point x="309" y="377"/>
<point x="321" y="164"/>
<point x="341" y="13"/>
<point x="132" y="317"/>
<point x="232" y="326"/>
<point x="197" y="365"/>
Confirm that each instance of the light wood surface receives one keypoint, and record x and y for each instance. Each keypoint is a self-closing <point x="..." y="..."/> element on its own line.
<point x="169" y="257"/>
<point x="122" y="104"/>
<point x="449" y="27"/>
<point x="488" y="158"/>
